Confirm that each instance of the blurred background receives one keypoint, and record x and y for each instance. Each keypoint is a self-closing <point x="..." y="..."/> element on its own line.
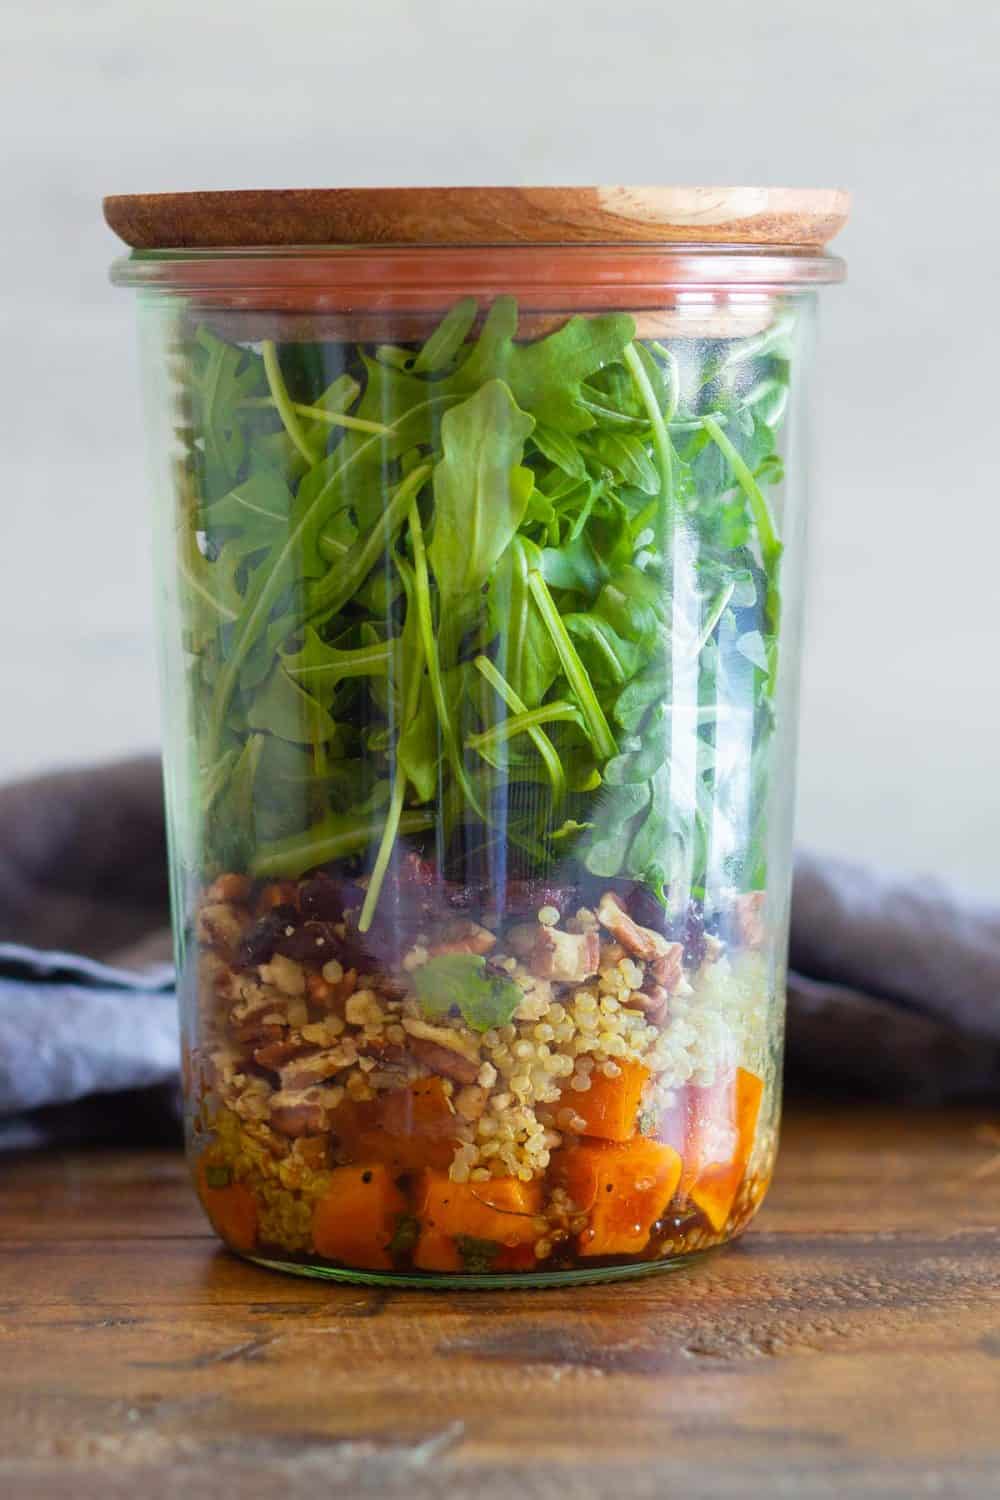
<point x="900" y="707"/>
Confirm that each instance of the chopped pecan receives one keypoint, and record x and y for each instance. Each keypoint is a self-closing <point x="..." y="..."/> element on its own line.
<point x="285" y="974"/>
<point x="317" y="1067"/>
<point x="235" y="888"/>
<point x="258" y="1003"/>
<point x="444" y="1036"/>
<point x="750" y="918"/>
<point x="221" y="926"/>
<point x="640" y="942"/>
<point x="443" y="1060"/>
<point x="653" y="1000"/>
<point x="566" y="957"/>
<point x="277" y="1055"/>
<point x="298" y="1114"/>
<point x="668" y="969"/>
<point x="465" y="937"/>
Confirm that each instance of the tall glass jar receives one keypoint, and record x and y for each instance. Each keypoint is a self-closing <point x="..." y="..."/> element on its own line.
<point x="480" y="569"/>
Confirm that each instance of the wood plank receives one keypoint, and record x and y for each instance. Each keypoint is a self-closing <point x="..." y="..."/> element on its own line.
<point x="850" y="1345"/>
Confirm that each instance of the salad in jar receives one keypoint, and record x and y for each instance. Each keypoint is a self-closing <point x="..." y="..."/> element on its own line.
<point x="483" y="643"/>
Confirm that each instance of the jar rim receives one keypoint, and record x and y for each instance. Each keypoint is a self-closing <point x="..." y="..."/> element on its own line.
<point x="398" y="276"/>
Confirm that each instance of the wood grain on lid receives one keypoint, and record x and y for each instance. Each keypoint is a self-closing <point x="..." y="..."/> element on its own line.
<point x="799" y="217"/>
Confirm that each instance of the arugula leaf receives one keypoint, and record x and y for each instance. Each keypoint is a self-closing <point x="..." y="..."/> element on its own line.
<point x="283" y="708"/>
<point x="480" y="495"/>
<point x="545" y="377"/>
<point x="462" y="982"/>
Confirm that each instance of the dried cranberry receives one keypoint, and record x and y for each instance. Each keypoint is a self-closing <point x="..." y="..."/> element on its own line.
<point x="689" y="929"/>
<point x="311" y="940"/>
<point x="324" y="898"/>
<point x="643" y="907"/>
<point x="260" y="943"/>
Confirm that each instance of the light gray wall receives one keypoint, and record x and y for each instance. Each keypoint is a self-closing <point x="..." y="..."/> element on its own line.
<point x="897" y="100"/>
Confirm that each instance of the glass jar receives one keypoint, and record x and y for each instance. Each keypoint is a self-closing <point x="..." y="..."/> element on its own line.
<point x="480" y="571"/>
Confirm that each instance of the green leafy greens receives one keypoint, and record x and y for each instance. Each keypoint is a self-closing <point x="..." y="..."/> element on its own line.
<point x="490" y="598"/>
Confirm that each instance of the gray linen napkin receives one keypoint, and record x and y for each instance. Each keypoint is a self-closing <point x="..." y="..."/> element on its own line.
<point x="894" y="989"/>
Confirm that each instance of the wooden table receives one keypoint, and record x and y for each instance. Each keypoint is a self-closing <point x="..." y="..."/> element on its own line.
<point x="850" y="1346"/>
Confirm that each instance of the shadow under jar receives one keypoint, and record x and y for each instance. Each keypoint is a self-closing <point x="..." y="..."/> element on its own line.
<point x="480" y="526"/>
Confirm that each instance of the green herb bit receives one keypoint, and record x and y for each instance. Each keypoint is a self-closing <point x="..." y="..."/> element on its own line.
<point x="218" y="1177"/>
<point x="462" y="981"/>
<point x="405" y="1235"/>
<point x="477" y="1255"/>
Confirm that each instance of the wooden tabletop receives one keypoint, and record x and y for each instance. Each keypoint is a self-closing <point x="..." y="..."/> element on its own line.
<point x="849" y="1346"/>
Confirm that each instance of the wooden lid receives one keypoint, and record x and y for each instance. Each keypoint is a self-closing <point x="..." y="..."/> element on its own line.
<point x="794" y="217"/>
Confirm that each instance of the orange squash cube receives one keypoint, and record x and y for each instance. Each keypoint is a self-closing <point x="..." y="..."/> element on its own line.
<point x="502" y="1210"/>
<point x="232" y="1210"/>
<point x="716" y="1183"/>
<point x="623" y="1186"/>
<point x="610" y="1107"/>
<point x="357" y="1216"/>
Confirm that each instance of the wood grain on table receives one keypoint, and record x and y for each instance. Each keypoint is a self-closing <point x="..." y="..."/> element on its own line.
<point x="848" y="1346"/>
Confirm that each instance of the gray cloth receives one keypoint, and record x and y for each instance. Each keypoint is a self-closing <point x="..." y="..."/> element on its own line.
<point x="894" y="988"/>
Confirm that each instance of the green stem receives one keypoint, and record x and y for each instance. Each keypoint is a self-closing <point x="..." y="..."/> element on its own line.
<point x="385" y="847"/>
<point x="661" y="437"/>
<point x="331" y="593"/>
<point x="284" y="403"/>
<point x="521" y="723"/>
<point x="673" y="379"/>
<point x="538" y="737"/>
<point x="425" y="619"/>
<point x="770" y="546"/>
<point x="333" y="838"/>
<point x="318" y="414"/>
<point x="598" y="729"/>
<point x="411" y="703"/>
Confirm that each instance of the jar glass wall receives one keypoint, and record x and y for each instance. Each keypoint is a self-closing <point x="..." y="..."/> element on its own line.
<point x="480" y="587"/>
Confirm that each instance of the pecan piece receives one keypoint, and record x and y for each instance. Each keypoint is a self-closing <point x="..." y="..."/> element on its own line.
<point x="221" y="926"/>
<point x="565" y="957"/>
<point x="640" y="942"/>
<point x="276" y="1055"/>
<point x="317" y="1067"/>
<point x="668" y="969"/>
<point x="750" y="918"/>
<point x="653" y="1001"/>
<point x="443" y="1060"/>
<point x="298" y="1113"/>
<point x="465" y="937"/>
